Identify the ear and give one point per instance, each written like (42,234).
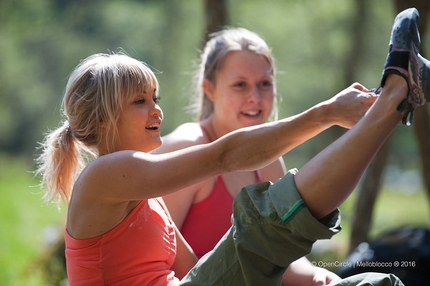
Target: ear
(208,89)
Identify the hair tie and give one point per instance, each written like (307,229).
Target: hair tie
(67,127)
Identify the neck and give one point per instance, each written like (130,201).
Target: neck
(214,129)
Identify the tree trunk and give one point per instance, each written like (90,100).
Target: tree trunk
(216,16)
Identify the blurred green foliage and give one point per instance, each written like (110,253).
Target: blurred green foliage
(42,41)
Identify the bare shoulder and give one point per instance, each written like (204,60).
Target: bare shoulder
(185,135)
(107,168)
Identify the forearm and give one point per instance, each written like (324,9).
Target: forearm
(254,147)
(277,138)
(185,257)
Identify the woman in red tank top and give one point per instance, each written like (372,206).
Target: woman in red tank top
(235,89)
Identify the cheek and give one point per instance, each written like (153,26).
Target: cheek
(232,106)
(227,102)
(271,103)
(268,99)
(234,99)
(268,104)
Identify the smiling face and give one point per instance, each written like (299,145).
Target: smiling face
(243,93)
(139,123)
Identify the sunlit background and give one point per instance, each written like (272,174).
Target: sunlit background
(42,41)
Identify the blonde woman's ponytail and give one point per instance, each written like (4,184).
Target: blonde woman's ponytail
(60,162)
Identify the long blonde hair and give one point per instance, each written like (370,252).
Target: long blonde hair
(94,95)
(213,55)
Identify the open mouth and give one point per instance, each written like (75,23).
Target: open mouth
(155,126)
(251,113)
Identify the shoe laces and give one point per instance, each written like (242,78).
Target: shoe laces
(405,108)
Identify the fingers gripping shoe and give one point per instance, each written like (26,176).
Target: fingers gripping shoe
(403,59)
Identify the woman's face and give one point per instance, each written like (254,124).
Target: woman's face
(139,123)
(243,93)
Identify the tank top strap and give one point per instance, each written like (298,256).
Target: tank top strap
(259,176)
(257,172)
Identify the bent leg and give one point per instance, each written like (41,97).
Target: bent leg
(271,228)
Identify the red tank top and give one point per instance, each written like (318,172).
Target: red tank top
(208,220)
(138,251)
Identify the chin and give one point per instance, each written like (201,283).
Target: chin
(252,122)
(150,147)
(157,144)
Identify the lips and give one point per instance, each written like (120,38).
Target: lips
(153,126)
(251,113)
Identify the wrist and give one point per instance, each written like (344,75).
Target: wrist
(324,114)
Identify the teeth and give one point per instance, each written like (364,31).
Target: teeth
(252,113)
(153,126)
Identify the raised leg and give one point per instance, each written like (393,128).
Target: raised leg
(329,178)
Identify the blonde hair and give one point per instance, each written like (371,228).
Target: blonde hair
(212,58)
(94,95)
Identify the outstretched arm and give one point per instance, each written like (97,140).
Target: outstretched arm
(242,150)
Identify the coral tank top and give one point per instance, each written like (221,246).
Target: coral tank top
(138,251)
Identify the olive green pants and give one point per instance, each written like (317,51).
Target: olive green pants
(271,228)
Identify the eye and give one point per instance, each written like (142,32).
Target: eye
(266,85)
(140,101)
(240,84)
(157,100)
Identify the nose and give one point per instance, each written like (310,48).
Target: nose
(254,94)
(156,110)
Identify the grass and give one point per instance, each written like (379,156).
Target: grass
(26,222)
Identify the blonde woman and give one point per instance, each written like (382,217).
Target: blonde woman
(118,229)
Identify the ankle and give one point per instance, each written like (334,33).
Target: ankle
(396,84)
